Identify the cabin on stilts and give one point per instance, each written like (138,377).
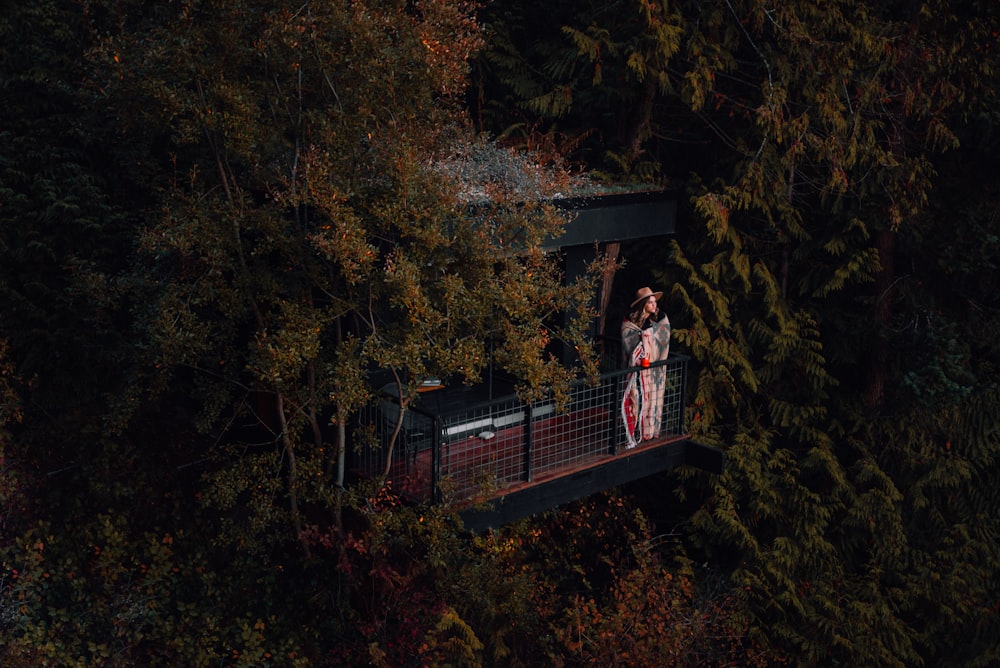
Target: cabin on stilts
(497,458)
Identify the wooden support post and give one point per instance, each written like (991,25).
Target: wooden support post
(436,459)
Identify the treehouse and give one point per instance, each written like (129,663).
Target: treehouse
(500,458)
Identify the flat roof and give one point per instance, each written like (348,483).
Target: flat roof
(620,217)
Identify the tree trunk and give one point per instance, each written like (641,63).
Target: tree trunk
(885,241)
(293,471)
(403,403)
(609,266)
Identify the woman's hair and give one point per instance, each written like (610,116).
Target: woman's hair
(637,314)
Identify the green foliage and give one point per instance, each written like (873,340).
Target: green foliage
(309,228)
(595,69)
(652,618)
(112,596)
(15,498)
(606,596)
(11,406)
(941,375)
(944,530)
(770,292)
(214,223)
(61,239)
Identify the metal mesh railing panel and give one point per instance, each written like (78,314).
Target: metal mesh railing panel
(671,399)
(482,448)
(673,403)
(410,469)
(577,435)
(487,447)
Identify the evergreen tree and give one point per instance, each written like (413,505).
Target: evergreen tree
(61,238)
(219,218)
(818,128)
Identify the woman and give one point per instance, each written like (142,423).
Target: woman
(645,340)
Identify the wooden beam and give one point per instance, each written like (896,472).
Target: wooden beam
(555,492)
(576,485)
(705,457)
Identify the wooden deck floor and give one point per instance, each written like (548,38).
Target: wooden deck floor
(591,463)
(568,484)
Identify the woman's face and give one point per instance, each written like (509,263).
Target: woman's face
(650,307)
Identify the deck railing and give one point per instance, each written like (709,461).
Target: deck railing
(482,449)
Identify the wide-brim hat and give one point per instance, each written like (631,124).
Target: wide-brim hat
(643,293)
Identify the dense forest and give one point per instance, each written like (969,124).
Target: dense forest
(217,218)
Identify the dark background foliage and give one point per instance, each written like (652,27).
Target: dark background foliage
(198,203)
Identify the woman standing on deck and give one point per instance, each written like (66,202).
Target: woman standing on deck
(645,340)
